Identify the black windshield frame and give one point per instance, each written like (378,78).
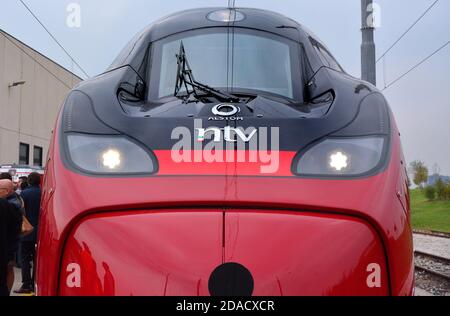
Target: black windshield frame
(296,61)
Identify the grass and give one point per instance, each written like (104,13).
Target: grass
(429,215)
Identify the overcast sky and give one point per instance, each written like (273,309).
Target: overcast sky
(420,101)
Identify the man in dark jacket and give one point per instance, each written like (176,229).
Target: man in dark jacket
(10,228)
(7,193)
(32,199)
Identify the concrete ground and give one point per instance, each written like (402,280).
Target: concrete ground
(439,246)
(420,292)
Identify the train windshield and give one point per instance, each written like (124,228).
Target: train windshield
(232,60)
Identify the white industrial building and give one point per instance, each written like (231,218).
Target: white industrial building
(32,90)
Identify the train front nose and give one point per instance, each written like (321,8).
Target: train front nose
(299,253)
(204,252)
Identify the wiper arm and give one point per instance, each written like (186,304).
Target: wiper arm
(185,78)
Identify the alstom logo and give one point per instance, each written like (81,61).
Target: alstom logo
(225,112)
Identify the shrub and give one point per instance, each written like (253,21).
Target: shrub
(440,187)
(430,193)
(447,191)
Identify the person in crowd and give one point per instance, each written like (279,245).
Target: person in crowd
(5,223)
(17,200)
(12,197)
(22,185)
(5,176)
(10,228)
(32,200)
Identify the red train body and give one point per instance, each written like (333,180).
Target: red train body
(165,233)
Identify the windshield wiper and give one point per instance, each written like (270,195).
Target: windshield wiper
(185,78)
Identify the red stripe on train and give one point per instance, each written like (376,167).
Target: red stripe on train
(225,162)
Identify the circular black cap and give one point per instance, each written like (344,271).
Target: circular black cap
(231,279)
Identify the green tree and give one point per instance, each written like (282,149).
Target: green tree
(430,192)
(447,191)
(440,187)
(420,172)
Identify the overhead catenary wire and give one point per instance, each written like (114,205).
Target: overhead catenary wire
(54,38)
(408,30)
(417,65)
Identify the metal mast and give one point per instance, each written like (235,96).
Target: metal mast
(368,58)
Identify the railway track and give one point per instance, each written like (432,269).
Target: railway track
(439,266)
(432,272)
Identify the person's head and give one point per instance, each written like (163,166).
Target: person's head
(6,188)
(5,175)
(23,185)
(34,179)
(23,182)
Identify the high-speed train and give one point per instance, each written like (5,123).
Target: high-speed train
(225,152)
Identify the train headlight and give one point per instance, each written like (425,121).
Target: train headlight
(338,161)
(341,157)
(109,155)
(111,158)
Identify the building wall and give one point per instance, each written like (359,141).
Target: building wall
(28,112)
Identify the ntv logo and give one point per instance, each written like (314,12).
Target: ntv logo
(227,144)
(227,134)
